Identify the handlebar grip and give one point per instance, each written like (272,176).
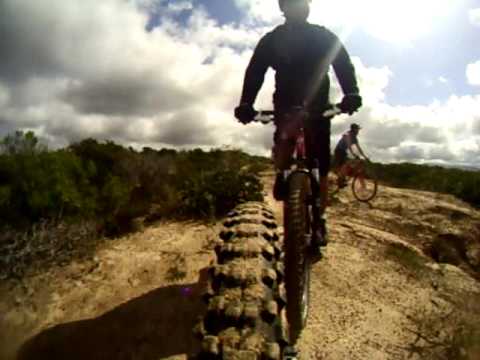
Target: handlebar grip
(266,113)
(334,110)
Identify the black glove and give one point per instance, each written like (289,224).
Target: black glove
(351,103)
(245,113)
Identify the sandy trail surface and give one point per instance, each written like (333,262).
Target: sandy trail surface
(137,299)
(377,290)
(378,293)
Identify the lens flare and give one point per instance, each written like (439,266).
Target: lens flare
(390,20)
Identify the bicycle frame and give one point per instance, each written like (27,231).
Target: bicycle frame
(300,164)
(299,155)
(358,172)
(355,167)
(266,116)
(300,150)
(301,218)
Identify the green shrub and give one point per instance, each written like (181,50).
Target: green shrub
(115,185)
(463,184)
(214,193)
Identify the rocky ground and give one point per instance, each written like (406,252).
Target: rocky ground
(399,279)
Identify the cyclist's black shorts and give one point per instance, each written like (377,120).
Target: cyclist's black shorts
(321,140)
(317,139)
(340,157)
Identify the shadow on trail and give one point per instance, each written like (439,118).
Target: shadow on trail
(155,325)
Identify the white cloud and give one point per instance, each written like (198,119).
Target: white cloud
(474,16)
(473,73)
(180,6)
(4,96)
(261,10)
(372,81)
(99,73)
(444,131)
(150,7)
(387,22)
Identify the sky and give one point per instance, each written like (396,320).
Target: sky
(165,73)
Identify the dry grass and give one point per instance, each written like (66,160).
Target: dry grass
(45,244)
(451,335)
(177,271)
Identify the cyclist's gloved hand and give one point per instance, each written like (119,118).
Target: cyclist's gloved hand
(351,103)
(245,113)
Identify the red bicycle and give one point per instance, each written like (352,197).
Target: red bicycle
(300,224)
(364,181)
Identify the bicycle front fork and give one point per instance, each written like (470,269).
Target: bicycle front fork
(316,201)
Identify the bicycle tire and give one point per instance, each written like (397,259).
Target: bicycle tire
(244,298)
(297,263)
(364,195)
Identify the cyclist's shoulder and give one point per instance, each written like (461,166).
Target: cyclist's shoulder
(317,27)
(320,30)
(297,28)
(270,35)
(318,34)
(265,42)
(276,30)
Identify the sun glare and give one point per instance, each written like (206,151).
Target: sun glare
(397,21)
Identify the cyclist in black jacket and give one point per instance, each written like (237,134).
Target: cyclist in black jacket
(301,54)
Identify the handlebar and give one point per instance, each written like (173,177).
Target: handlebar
(266,116)
(358,158)
(333,111)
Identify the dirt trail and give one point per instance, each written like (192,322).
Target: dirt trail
(375,291)
(375,294)
(138,299)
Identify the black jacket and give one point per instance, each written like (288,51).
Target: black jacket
(301,55)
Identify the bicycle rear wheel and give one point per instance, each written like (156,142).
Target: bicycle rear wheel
(364,185)
(297,235)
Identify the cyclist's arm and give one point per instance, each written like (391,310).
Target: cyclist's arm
(350,144)
(343,67)
(361,151)
(350,148)
(255,72)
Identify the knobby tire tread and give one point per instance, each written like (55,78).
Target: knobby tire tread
(244,298)
(296,226)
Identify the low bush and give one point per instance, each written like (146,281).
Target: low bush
(115,185)
(464,184)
